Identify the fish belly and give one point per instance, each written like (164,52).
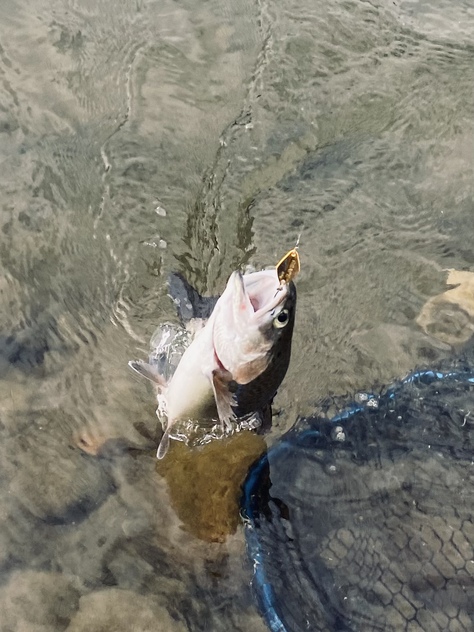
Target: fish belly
(190,394)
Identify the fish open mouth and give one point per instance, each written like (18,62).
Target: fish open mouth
(264,290)
(247,308)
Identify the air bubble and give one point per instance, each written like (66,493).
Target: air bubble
(338,434)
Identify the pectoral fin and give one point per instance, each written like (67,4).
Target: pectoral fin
(224,398)
(146,370)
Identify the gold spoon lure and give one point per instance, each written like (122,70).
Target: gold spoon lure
(289,265)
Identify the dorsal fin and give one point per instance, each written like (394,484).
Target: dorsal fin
(189,303)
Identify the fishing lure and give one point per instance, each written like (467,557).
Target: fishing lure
(289,265)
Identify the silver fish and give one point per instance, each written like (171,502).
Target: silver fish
(238,359)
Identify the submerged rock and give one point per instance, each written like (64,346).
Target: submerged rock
(449,316)
(53,480)
(37,602)
(119,610)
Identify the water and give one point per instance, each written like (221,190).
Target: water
(142,137)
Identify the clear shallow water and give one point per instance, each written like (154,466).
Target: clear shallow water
(141,137)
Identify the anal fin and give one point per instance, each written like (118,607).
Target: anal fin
(146,370)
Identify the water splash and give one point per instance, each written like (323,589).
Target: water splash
(167,346)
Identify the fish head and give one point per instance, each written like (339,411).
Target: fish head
(254,318)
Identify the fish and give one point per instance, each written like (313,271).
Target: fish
(238,357)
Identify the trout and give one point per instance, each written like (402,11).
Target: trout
(238,359)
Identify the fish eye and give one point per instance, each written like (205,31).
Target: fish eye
(282,319)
